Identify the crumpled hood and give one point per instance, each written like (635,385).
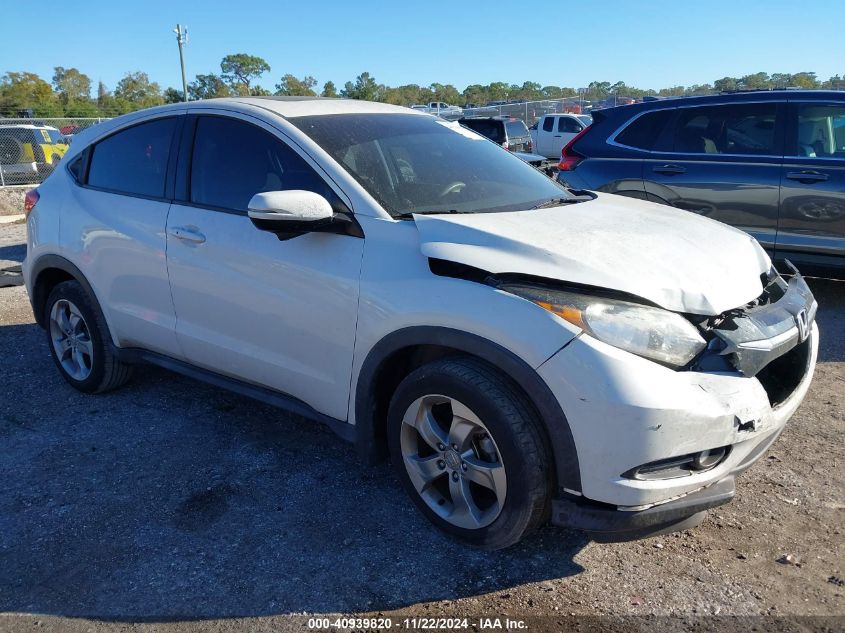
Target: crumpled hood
(676,259)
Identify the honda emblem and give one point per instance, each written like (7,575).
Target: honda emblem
(803,325)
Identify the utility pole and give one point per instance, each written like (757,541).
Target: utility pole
(182,39)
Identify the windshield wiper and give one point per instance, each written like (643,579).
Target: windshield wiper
(556,202)
(407,215)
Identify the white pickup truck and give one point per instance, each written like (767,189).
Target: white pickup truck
(440,109)
(552,131)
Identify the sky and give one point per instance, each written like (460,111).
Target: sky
(645,43)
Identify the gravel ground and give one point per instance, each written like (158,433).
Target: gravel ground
(11,199)
(173,503)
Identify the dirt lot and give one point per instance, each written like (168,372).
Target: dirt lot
(11,199)
(173,503)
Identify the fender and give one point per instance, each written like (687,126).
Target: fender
(39,297)
(554,420)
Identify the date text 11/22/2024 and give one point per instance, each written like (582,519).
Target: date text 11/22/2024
(415,624)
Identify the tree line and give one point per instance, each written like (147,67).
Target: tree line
(69,94)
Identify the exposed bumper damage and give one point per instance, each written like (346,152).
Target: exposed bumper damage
(658,447)
(754,337)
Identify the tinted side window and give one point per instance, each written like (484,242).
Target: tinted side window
(567,125)
(26,135)
(233,160)
(548,123)
(645,130)
(747,129)
(77,167)
(134,160)
(821,131)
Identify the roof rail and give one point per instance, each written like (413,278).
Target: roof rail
(741,90)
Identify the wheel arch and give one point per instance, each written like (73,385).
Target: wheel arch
(47,272)
(399,353)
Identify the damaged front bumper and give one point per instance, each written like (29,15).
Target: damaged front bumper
(631,417)
(751,338)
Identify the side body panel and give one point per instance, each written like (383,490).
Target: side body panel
(118,242)
(277,313)
(811,229)
(740,191)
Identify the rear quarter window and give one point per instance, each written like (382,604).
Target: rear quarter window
(643,132)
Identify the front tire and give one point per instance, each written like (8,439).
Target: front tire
(470,451)
(79,340)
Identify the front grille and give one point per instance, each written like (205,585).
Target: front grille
(754,337)
(781,377)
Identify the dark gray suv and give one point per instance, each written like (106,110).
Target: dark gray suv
(770,162)
(510,133)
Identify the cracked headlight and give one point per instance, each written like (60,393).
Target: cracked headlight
(652,333)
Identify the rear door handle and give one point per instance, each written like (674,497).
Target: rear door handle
(669,170)
(187,234)
(806,176)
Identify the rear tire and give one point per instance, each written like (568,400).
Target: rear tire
(79,340)
(470,451)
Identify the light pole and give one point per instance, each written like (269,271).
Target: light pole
(182,39)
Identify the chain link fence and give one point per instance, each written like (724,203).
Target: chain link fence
(528,111)
(31,148)
(531,111)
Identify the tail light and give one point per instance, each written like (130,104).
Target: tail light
(530,147)
(505,145)
(569,158)
(30,200)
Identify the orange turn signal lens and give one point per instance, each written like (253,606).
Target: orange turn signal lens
(567,313)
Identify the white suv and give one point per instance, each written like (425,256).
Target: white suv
(523,352)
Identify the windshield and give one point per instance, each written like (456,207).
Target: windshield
(420,164)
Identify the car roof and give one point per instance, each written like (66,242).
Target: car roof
(28,126)
(291,107)
(743,96)
(481,117)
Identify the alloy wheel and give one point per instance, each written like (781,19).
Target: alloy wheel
(71,339)
(453,461)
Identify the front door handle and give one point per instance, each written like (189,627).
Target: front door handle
(669,170)
(806,176)
(187,234)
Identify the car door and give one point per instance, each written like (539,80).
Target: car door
(812,205)
(722,161)
(280,313)
(545,136)
(113,225)
(567,129)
